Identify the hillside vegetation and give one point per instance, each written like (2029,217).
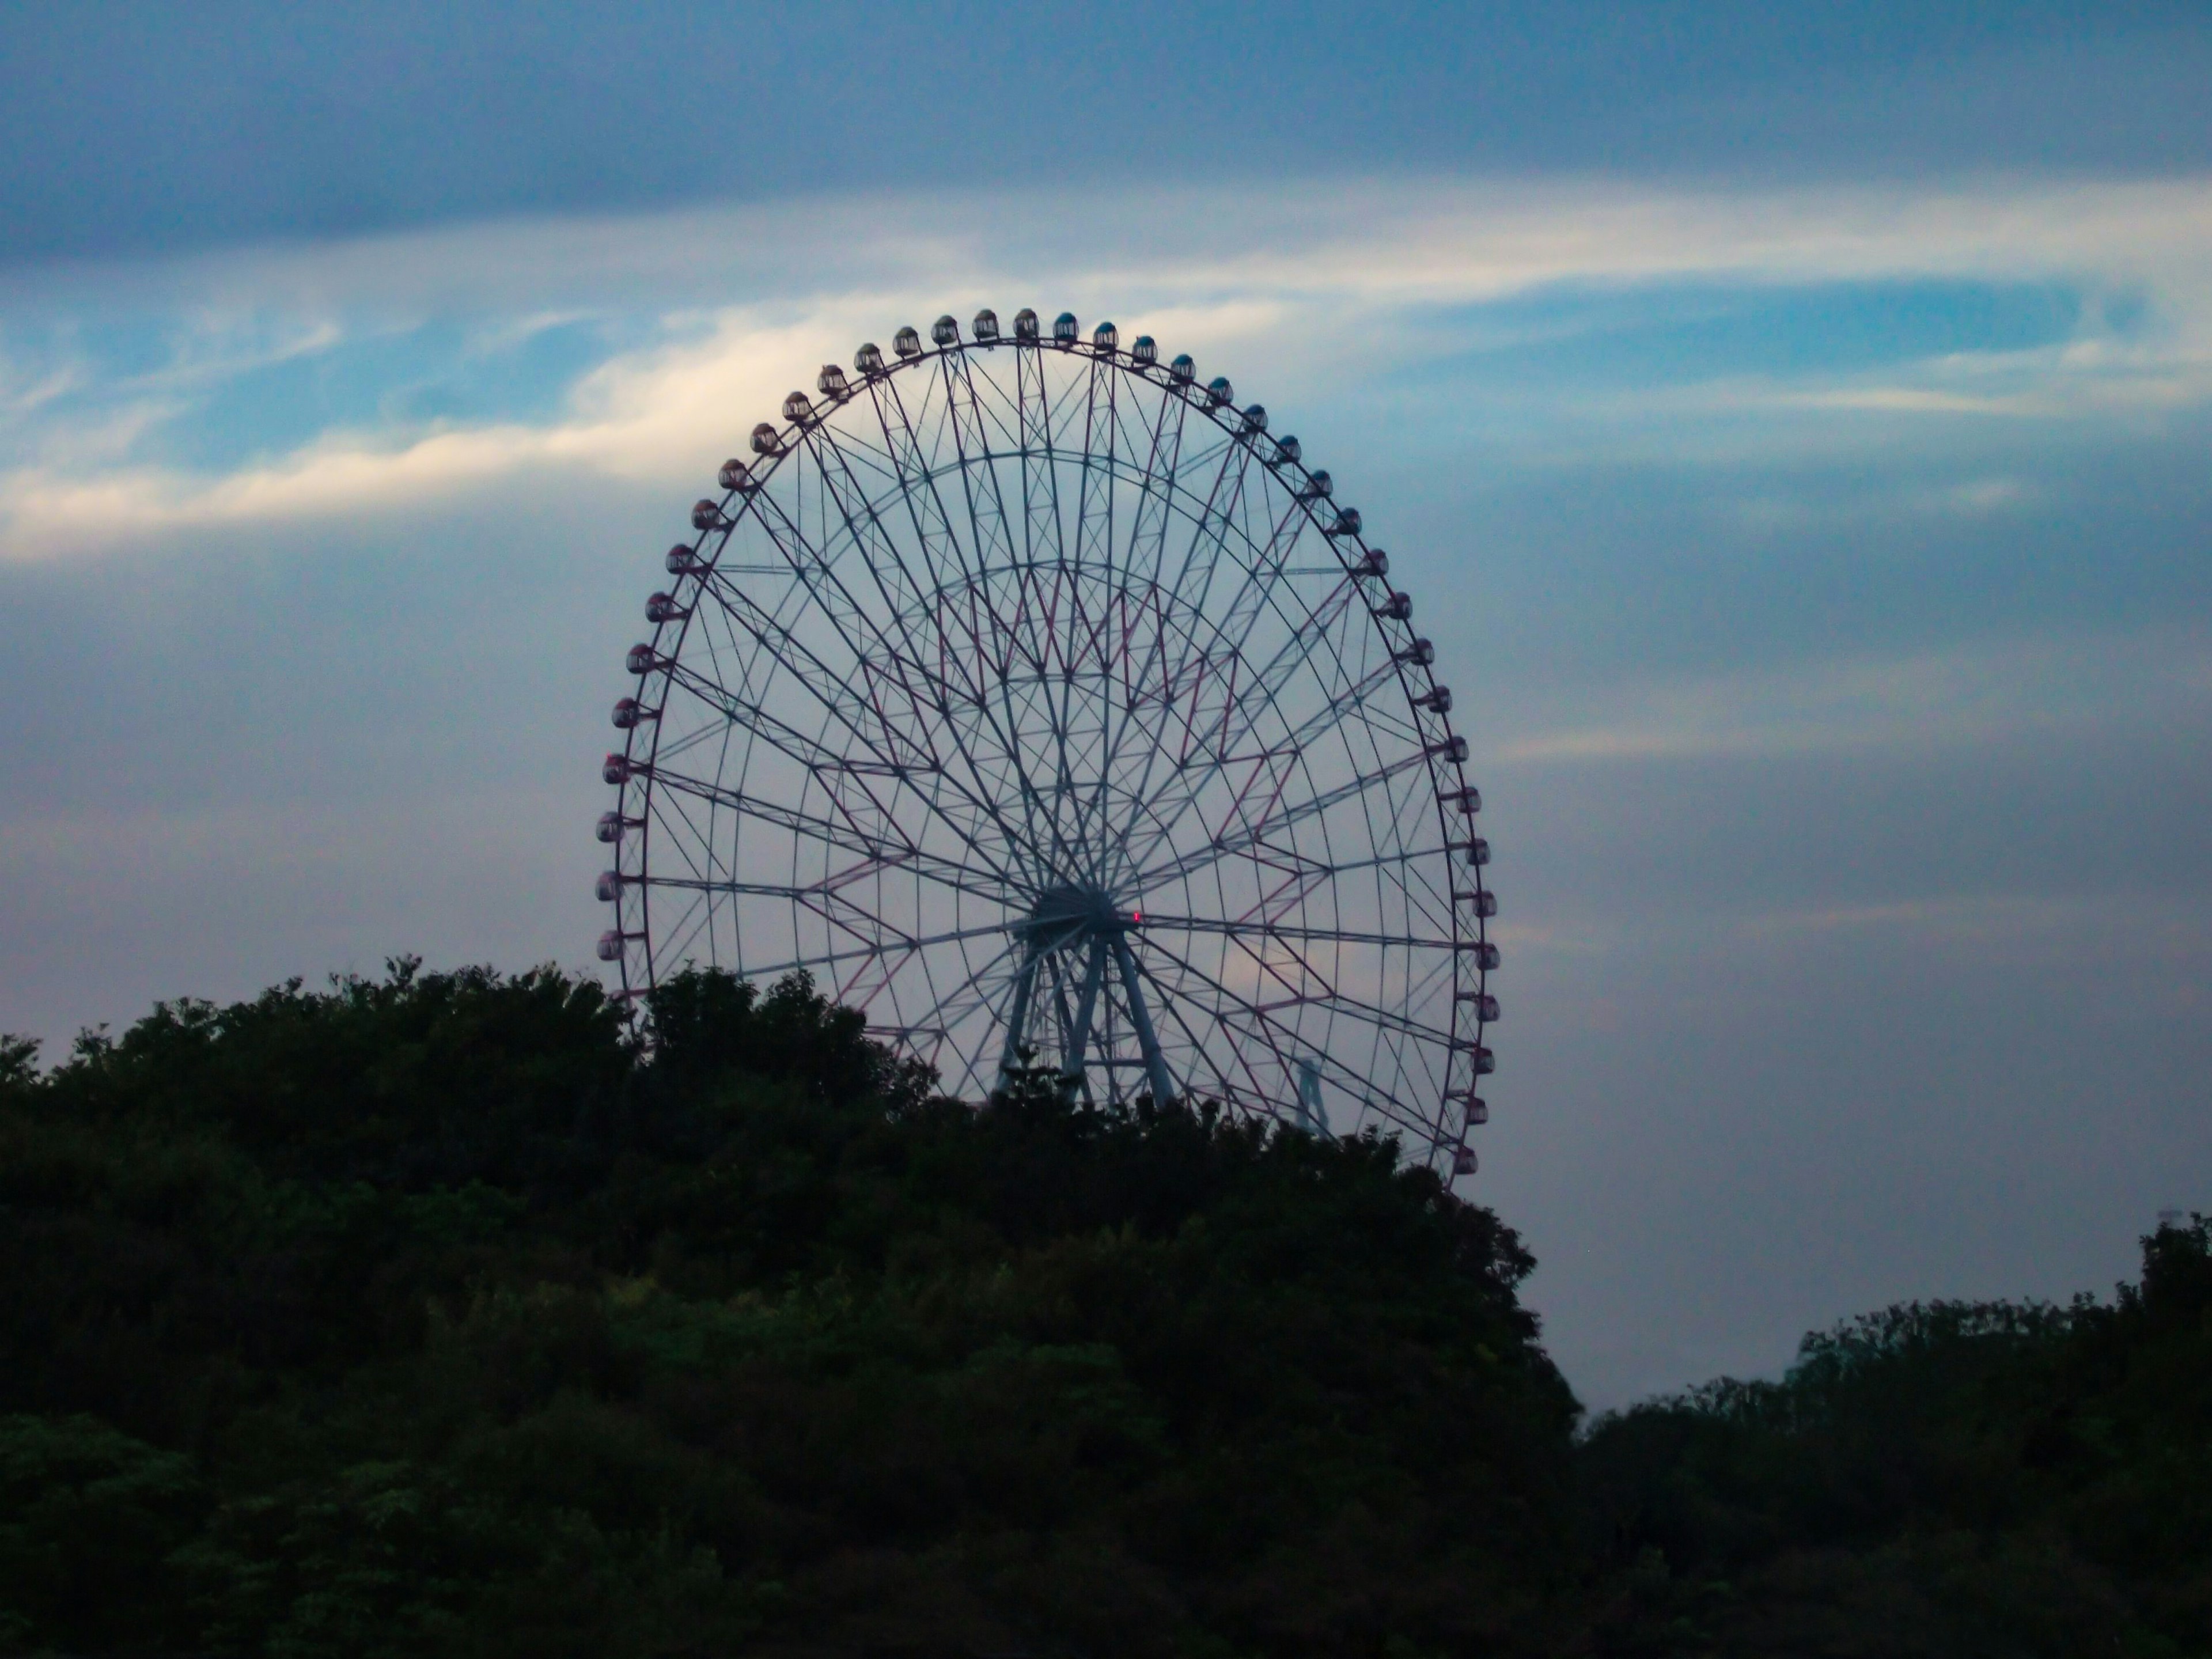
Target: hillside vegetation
(427,1316)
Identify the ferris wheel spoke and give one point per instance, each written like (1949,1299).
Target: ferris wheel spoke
(1148,528)
(981,800)
(967,1001)
(1209,537)
(810,753)
(987,532)
(1233,725)
(947,562)
(1089,651)
(906,608)
(1237,720)
(948,1011)
(999,656)
(1094,536)
(826,958)
(920,479)
(1249,833)
(848,836)
(908,605)
(1293,744)
(1173,1000)
(1263,783)
(1267,570)
(841,779)
(1294,934)
(864,530)
(1166,675)
(1215,521)
(833,691)
(1283,1036)
(1014,575)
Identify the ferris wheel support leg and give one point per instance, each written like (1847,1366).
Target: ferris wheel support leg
(1156,1065)
(1075,1064)
(1017,1019)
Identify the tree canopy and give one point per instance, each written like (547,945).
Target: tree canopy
(435,1314)
(430,1314)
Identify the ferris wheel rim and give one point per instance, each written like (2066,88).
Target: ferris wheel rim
(794,440)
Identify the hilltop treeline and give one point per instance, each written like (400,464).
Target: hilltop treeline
(428,1315)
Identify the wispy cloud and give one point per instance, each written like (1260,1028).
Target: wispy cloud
(1345,267)
(1971,694)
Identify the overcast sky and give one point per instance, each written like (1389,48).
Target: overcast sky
(1792,422)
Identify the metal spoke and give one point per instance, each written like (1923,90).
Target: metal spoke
(1008,691)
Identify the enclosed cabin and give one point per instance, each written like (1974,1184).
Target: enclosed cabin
(1482,951)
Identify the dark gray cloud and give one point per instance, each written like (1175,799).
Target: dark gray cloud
(162,126)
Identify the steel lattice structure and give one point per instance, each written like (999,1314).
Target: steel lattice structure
(1028,694)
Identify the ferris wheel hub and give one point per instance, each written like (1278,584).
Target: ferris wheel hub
(1072,911)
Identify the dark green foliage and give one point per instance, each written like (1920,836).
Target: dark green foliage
(1950,1478)
(430,1316)
(427,1316)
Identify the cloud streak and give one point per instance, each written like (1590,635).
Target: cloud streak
(2062,687)
(1347,268)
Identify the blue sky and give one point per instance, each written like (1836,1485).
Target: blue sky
(1791,424)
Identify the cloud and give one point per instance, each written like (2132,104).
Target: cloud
(1344,268)
(1961,696)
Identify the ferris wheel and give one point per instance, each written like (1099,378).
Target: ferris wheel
(1027,693)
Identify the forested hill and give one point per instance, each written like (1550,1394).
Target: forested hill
(426,1317)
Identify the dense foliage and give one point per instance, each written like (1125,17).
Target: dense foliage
(1958,1479)
(428,1315)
